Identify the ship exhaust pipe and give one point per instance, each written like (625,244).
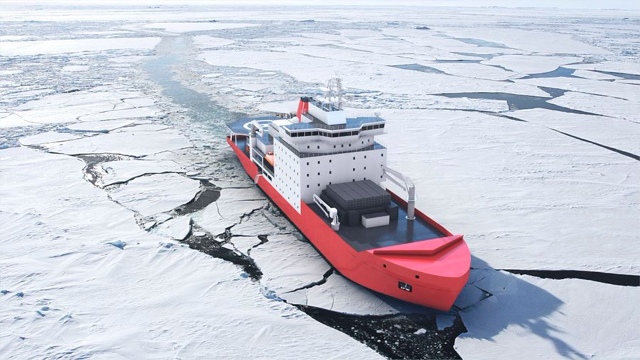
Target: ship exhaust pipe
(303,107)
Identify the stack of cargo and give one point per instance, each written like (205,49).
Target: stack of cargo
(357,198)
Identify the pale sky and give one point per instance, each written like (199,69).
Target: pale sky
(577,4)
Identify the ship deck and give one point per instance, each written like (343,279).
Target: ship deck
(238,126)
(397,232)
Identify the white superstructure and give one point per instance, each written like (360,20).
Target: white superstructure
(317,147)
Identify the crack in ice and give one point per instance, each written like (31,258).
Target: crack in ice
(601,277)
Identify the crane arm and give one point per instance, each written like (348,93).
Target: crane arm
(328,211)
(406,184)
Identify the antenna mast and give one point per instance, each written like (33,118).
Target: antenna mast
(334,89)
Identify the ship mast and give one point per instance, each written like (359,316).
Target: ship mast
(334,92)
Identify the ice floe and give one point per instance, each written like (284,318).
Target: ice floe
(61,46)
(132,143)
(122,171)
(156,193)
(531,64)
(182,27)
(47,137)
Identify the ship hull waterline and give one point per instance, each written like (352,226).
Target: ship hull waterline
(435,269)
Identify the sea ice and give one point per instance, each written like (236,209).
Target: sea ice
(177,228)
(182,27)
(531,64)
(100,126)
(206,42)
(152,194)
(551,318)
(125,143)
(602,105)
(46,138)
(61,46)
(125,170)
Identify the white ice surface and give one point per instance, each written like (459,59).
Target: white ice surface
(303,265)
(360,75)
(60,46)
(531,64)
(47,137)
(617,133)
(514,187)
(527,40)
(589,86)
(125,170)
(132,143)
(91,105)
(100,126)
(153,194)
(124,113)
(602,105)
(183,27)
(177,228)
(71,293)
(205,41)
(229,208)
(611,66)
(542,318)
(477,71)
(588,74)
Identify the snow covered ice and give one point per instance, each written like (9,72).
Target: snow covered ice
(519,127)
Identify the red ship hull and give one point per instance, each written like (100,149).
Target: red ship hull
(436,270)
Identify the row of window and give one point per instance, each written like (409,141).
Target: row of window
(353,180)
(335,134)
(365,156)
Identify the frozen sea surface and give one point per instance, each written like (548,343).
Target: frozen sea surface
(131,231)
